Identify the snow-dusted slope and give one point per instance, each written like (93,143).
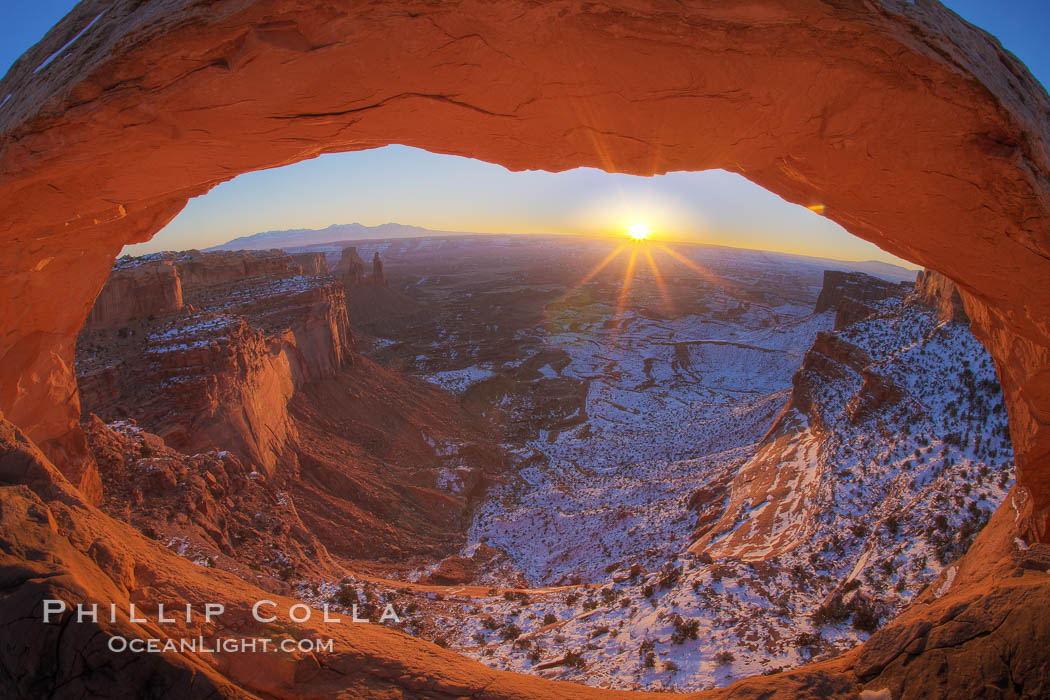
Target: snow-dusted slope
(890,452)
(668,403)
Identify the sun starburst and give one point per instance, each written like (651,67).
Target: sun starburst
(638,231)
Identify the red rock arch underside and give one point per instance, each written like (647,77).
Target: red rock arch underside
(917,132)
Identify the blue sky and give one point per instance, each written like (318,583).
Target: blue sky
(459,194)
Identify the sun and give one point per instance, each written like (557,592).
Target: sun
(638,231)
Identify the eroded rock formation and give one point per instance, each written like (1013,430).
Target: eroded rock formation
(137,291)
(941,294)
(351,268)
(852,295)
(378,278)
(219,375)
(844,104)
(197,270)
(312,263)
(262,369)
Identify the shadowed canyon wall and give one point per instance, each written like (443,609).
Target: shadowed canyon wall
(915,130)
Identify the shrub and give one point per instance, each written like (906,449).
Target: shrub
(808,639)
(892,525)
(724,658)
(669,577)
(549,619)
(684,629)
(574,659)
(346,596)
(510,632)
(865,619)
(830,613)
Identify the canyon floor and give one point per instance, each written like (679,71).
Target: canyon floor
(634,465)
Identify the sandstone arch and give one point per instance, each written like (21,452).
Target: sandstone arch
(913,128)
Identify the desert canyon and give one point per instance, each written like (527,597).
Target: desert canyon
(798,479)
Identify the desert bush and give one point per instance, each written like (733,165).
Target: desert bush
(830,613)
(684,629)
(346,596)
(808,639)
(574,659)
(892,525)
(865,618)
(669,577)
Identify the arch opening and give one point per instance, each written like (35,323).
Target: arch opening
(660,474)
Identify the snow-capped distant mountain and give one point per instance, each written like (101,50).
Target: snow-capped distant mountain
(301,237)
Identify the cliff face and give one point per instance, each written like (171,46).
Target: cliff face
(137,291)
(940,294)
(311,263)
(898,402)
(853,295)
(350,269)
(221,375)
(264,368)
(201,270)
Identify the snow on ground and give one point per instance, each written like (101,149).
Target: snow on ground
(874,509)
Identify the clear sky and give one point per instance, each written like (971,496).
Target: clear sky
(410,186)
